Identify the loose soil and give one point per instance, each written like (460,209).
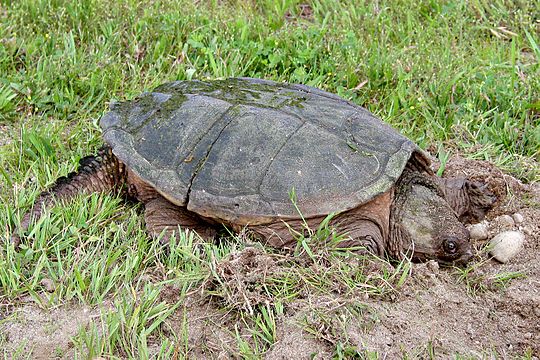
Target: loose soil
(438,312)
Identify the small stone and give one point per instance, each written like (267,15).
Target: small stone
(479,231)
(506,220)
(47,284)
(518,218)
(432,265)
(506,245)
(527,230)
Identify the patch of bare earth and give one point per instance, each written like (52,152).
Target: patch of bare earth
(35,333)
(493,309)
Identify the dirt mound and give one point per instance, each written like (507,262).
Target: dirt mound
(238,281)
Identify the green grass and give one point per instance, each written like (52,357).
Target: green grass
(454,76)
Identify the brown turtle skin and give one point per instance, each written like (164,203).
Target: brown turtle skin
(200,155)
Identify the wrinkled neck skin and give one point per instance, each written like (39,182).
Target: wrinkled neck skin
(423,223)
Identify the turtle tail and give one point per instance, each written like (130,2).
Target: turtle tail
(96,173)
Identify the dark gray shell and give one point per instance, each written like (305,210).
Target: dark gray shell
(234,149)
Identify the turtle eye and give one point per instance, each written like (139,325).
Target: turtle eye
(450,246)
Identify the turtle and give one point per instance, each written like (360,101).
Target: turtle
(272,157)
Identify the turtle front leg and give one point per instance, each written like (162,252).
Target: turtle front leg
(470,200)
(365,228)
(364,237)
(161,216)
(361,235)
(100,173)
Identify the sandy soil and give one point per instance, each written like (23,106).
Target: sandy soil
(32,332)
(437,312)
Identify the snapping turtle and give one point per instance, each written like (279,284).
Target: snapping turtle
(201,154)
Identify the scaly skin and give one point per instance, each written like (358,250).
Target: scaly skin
(423,224)
(470,200)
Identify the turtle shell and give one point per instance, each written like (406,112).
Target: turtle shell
(237,149)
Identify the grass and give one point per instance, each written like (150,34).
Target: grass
(125,329)
(454,76)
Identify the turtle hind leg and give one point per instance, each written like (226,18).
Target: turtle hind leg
(161,216)
(100,173)
(470,200)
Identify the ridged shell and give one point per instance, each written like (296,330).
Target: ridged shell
(235,149)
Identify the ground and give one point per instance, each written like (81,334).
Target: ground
(489,309)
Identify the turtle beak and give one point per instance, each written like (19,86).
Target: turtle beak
(464,259)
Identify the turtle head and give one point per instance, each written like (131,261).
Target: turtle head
(427,227)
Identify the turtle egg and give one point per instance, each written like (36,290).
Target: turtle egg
(506,245)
